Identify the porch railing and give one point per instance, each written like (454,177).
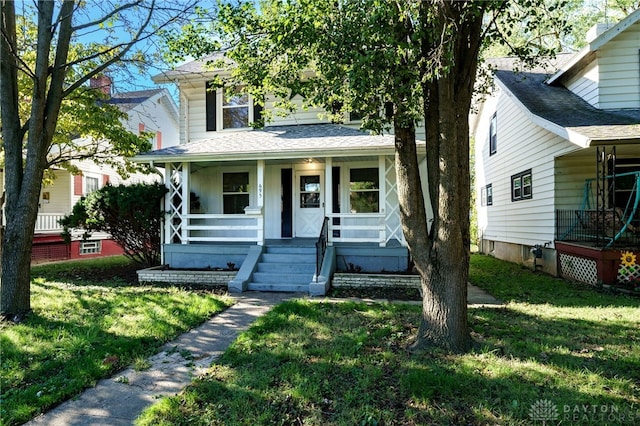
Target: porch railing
(357,228)
(321,245)
(48,222)
(596,228)
(224,228)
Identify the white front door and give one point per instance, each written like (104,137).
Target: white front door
(309,204)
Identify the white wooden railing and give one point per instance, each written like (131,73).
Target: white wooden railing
(224,228)
(358,228)
(47,222)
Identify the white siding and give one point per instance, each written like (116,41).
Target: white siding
(619,63)
(585,84)
(521,145)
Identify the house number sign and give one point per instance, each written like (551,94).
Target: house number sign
(260,191)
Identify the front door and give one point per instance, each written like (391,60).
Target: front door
(309,204)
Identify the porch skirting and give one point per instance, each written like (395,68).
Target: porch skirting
(186,277)
(345,280)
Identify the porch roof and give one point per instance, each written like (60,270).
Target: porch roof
(278,142)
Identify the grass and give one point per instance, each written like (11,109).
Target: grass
(554,345)
(88,322)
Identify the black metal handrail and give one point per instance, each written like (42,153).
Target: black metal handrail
(321,245)
(597,228)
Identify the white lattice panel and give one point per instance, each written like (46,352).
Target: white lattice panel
(627,274)
(173,206)
(579,268)
(392,207)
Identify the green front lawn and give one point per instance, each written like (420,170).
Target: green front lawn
(88,322)
(556,352)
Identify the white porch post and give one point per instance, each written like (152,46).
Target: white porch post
(328,195)
(260,201)
(167,204)
(382,198)
(185,203)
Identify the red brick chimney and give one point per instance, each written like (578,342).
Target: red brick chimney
(101,82)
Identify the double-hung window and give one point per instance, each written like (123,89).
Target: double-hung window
(364,190)
(493,134)
(521,186)
(235,192)
(91,184)
(229,107)
(486,195)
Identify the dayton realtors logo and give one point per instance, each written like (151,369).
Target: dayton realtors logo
(546,412)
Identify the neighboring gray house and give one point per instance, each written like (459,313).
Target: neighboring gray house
(558,161)
(263,199)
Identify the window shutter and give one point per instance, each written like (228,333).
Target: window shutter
(77,184)
(159,140)
(140,128)
(211,106)
(257,112)
(105,179)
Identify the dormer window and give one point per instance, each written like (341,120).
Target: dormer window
(229,107)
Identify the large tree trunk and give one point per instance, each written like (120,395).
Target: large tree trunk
(444,265)
(25,164)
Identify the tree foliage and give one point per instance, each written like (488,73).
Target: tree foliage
(48,53)
(398,64)
(118,211)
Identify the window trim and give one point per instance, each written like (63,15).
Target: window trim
(493,134)
(519,178)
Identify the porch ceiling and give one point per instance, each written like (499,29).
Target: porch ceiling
(278,143)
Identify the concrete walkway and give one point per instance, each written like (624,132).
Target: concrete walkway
(119,400)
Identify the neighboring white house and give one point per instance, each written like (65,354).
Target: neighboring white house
(153,111)
(298,181)
(558,159)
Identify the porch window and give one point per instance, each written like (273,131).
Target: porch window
(493,134)
(521,186)
(90,247)
(364,190)
(235,192)
(235,108)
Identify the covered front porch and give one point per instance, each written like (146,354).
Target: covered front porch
(233,199)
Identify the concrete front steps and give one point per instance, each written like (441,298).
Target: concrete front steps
(284,268)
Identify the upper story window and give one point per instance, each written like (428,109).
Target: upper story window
(235,108)
(493,134)
(235,192)
(229,107)
(521,186)
(364,190)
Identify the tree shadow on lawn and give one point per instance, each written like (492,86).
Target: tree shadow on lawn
(349,364)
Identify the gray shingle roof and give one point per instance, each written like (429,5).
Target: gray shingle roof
(560,106)
(278,141)
(128,100)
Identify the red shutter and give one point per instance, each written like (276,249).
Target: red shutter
(77,184)
(105,179)
(140,127)
(159,140)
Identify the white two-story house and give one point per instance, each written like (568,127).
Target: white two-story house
(263,199)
